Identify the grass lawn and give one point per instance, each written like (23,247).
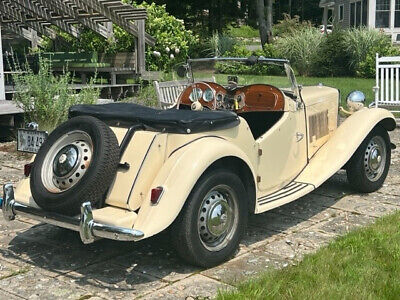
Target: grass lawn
(364,264)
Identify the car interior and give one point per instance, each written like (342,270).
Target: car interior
(261,105)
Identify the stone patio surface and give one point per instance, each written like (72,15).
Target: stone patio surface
(39,261)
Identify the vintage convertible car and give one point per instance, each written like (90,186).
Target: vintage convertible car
(232,145)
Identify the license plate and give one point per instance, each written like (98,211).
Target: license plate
(30,140)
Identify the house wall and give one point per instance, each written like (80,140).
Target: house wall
(346,18)
(345,23)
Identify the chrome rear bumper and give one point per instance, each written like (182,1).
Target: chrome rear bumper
(86,226)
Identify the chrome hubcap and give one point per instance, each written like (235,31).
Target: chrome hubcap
(218,218)
(67,161)
(375,158)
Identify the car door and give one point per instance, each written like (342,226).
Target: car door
(283,149)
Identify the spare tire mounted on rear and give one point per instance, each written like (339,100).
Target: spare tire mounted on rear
(77,163)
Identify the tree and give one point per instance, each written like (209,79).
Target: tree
(270,21)
(265,28)
(262,25)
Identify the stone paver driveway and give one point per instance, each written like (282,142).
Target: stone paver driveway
(45,262)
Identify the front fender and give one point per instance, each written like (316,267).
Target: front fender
(178,176)
(343,143)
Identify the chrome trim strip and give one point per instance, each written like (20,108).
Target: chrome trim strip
(85,224)
(284,192)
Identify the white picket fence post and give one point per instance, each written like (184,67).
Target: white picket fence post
(387,82)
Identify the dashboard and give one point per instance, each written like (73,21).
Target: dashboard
(211,95)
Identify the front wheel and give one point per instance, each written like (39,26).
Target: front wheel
(213,220)
(369,166)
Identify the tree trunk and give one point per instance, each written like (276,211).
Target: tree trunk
(269,20)
(262,26)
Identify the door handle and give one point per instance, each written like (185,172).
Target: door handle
(299,136)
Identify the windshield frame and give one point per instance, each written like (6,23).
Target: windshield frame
(252,60)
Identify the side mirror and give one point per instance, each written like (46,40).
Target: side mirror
(182,71)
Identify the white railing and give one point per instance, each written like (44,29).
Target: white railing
(387,88)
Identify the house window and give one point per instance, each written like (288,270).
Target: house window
(382,13)
(365,12)
(359,13)
(341,13)
(397,14)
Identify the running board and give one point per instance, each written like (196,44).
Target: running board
(290,192)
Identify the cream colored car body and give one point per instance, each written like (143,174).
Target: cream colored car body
(302,150)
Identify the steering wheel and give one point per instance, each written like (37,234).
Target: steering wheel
(184,97)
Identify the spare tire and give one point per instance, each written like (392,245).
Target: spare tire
(77,163)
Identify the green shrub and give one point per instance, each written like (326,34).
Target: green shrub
(301,48)
(220,44)
(333,58)
(243,31)
(46,98)
(238,51)
(201,48)
(269,51)
(147,96)
(289,26)
(362,44)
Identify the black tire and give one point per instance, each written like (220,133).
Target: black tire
(356,168)
(93,184)
(185,232)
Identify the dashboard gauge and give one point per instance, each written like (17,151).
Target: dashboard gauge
(196,94)
(220,97)
(208,95)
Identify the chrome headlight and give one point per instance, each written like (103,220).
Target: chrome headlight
(208,95)
(196,94)
(355,100)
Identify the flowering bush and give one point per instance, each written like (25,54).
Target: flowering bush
(173,40)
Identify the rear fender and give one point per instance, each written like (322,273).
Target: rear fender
(178,176)
(337,151)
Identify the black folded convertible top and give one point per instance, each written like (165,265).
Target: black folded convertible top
(171,120)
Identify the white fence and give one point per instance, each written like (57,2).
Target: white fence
(387,89)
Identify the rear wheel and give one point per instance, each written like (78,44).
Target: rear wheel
(213,220)
(77,163)
(369,166)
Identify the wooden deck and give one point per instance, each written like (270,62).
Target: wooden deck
(9,108)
